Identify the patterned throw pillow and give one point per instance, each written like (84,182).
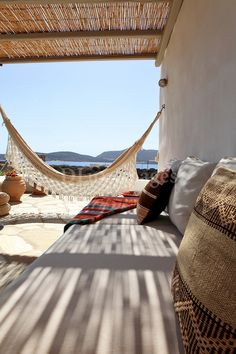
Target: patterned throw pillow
(204,281)
(154,197)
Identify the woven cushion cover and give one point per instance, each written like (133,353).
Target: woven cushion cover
(154,197)
(204,281)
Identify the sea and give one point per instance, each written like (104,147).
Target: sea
(141,165)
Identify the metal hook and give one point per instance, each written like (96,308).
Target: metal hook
(163,107)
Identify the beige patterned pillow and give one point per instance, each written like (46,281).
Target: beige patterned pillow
(204,281)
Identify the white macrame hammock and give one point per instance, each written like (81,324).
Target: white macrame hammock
(119,176)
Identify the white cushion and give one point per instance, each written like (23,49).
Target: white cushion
(228,162)
(87,280)
(191,177)
(174,165)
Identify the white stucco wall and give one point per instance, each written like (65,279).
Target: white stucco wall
(200,63)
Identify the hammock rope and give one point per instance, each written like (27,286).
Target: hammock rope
(119,176)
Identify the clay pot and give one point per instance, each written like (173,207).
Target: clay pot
(14,186)
(4,198)
(4,209)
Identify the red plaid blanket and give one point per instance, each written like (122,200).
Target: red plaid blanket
(101,207)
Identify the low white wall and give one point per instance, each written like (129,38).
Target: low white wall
(200,63)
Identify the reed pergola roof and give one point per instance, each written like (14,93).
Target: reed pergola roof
(61,30)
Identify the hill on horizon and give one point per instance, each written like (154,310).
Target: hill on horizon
(142,156)
(68,156)
(106,156)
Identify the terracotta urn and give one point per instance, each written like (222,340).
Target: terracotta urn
(4,209)
(4,206)
(14,186)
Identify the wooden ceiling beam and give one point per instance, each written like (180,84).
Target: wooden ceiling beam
(175,8)
(62,2)
(80,34)
(144,56)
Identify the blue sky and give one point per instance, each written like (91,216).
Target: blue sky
(85,107)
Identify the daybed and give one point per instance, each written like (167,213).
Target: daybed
(104,288)
(101,288)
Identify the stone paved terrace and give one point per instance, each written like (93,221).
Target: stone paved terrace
(35,223)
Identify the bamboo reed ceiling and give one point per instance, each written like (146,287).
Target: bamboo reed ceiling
(32,31)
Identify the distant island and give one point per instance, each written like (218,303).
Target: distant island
(106,156)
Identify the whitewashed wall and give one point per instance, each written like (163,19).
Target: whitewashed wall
(200,63)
